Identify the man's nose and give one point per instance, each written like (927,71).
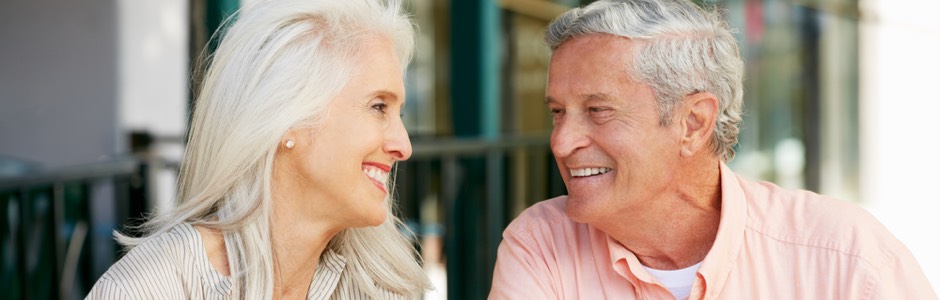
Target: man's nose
(568,136)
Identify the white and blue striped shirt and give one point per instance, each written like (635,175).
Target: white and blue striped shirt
(174,265)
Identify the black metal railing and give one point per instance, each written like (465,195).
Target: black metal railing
(56,234)
(475,187)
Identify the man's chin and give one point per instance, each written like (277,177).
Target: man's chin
(580,209)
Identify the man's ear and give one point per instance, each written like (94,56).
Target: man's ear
(697,117)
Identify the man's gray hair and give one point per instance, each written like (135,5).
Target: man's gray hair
(681,49)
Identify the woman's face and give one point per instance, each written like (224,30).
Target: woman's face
(338,173)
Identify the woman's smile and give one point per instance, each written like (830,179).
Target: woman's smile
(378,174)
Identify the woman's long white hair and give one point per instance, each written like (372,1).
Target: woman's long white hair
(277,67)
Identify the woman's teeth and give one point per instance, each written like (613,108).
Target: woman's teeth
(376,174)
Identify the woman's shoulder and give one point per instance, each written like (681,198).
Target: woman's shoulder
(165,265)
(168,249)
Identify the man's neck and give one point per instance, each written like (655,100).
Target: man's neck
(676,230)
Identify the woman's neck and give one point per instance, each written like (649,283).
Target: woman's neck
(297,247)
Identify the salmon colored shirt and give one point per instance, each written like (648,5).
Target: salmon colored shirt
(772,243)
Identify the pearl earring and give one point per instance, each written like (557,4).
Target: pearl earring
(289,144)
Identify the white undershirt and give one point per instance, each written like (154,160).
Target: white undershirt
(678,282)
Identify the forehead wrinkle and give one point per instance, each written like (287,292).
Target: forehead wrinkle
(597,97)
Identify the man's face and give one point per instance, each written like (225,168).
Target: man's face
(613,155)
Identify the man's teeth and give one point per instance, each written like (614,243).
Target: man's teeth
(588,171)
(376,174)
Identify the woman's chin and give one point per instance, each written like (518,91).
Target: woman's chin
(373,220)
(378,219)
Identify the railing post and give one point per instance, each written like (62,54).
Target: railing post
(495,203)
(475,100)
(58,219)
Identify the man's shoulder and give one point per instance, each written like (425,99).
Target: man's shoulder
(546,211)
(806,219)
(545,218)
(766,200)
(553,208)
(772,206)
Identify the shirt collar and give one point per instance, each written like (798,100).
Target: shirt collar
(325,278)
(722,256)
(327,275)
(724,252)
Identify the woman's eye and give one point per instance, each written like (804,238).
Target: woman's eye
(380,107)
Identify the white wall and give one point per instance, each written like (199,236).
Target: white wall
(154,79)
(77,76)
(58,81)
(900,110)
(153,65)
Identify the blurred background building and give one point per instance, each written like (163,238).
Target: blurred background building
(95,97)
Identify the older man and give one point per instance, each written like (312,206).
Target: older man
(646,98)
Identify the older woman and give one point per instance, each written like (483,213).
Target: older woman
(284,184)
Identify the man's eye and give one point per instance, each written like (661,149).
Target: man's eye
(597,109)
(556,111)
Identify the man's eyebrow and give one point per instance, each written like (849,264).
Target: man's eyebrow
(597,97)
(594,97)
